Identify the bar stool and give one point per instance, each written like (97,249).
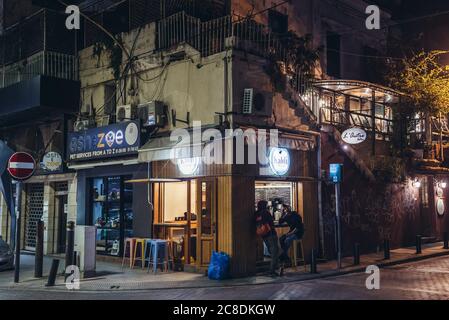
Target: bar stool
(148,250)
(142,243)
(295,254)
(162,254)
(129,244)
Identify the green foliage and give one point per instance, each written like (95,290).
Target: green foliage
(114,52)
(424,80)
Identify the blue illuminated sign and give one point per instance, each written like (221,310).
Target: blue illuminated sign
(119,139)
(336,172)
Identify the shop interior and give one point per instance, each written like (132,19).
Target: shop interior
(176,208)
(277,194)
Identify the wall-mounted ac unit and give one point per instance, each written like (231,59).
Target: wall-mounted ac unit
(257,103)
(126,113)
(83,125)
(153,114)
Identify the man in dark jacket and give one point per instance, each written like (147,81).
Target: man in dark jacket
(296,232)
(263,217)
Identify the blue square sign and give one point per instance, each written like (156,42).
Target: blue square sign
(335,172)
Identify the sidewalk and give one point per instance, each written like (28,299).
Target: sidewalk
(111,277)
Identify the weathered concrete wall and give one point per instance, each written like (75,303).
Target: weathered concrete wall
(194,85)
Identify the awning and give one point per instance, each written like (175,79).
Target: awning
(360,89)
(163,148)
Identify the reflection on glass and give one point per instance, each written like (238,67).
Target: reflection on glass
(111,214)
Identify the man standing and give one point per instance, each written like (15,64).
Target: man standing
(265,229)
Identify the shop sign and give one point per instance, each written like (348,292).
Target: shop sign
(120,139)
(354,136)
(51,162)
(336,172)
(441,208)
(279,161)
(188,166)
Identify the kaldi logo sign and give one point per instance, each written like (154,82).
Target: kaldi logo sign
(21,166)
(279,161)
(354,136)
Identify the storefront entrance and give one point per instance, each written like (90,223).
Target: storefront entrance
(278,194)
(185,213)
(61,214)
(111,212)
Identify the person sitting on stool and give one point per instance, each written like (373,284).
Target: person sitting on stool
(296,232)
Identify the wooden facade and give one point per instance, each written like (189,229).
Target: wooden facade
(232,204)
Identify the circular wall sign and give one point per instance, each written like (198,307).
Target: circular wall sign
(21,166)
(52,161)
(131,134)
(354,136)
(188,166)
(279,161)
(440,207)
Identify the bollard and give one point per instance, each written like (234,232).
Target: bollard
(446,240)
(313,266)
(53,271)
(418,245)
(386,249)
(356,254)
(39,255)
(70,244)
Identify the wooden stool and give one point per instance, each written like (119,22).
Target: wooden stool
(295,254)
(129,244)
(142,243)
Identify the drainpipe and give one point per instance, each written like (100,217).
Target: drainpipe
(320,198)
(226,88)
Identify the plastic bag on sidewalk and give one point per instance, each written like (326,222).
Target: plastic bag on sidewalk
(219,266)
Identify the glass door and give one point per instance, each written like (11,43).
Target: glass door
(112,213)
(206,233)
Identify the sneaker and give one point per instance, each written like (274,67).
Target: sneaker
(281,272)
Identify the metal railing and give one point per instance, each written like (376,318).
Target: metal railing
(345,119)
(50,64)
(217,35)
(42,31)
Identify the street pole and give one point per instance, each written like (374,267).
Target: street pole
(337,211)
(18,224)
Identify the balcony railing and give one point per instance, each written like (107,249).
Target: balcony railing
(217,35)
(344,119)
(50,64)
(43,31)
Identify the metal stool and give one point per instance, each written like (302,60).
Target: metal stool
(129,244)
(156,258)
(295,254)
(142,243)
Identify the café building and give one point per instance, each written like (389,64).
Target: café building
(204,207)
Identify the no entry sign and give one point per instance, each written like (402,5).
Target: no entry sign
(21,166)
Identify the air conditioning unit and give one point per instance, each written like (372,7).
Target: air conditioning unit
(83,125)
(125,113)
(257,103)
(248,101)
(153,114)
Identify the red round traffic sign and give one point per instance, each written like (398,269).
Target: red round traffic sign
(21,166)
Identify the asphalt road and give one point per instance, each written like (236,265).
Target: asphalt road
(424,280)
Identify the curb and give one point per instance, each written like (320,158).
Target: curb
(301,278)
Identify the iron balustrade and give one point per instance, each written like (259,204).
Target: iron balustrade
(217,35)
(344,119)
(50,64)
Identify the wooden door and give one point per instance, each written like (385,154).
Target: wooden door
(207,219)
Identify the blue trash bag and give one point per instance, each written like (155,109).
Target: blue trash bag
(219,266)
